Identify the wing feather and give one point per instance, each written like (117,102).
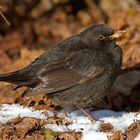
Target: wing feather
(68,70)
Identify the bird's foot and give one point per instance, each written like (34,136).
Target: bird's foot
(88,115)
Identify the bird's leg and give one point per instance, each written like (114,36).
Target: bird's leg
(88,115)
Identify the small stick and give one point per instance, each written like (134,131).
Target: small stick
(8,23)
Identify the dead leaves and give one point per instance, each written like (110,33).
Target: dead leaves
(132,56)
(11,42)
(133,130)
(126,17)
(117,135)
(70,136)
(112,133)
(9,95)
(25,128)
(32,129)
(26,57)
(27,125)
(106,127)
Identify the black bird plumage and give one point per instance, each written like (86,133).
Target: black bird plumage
(77,72)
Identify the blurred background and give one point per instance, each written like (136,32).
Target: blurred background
(35,25)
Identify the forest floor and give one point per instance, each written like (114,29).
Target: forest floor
(37,25)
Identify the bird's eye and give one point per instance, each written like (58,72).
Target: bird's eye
(101,37)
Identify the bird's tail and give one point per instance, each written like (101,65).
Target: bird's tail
(19,78)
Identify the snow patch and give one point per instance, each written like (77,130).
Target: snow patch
(120,120)
(8,112)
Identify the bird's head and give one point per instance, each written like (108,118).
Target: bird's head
(100,36)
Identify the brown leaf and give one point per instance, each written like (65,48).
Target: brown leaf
(34,136)
(22,128)
(133,130)
(117,135)
(131,55)
(26,125)
(57,120)
(11,42)
(9,95)
(26,58)
(39,101)
(106,127)
(70,136)
(4,56)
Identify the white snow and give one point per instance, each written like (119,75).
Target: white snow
(120,120)
(8,112)
(95,136)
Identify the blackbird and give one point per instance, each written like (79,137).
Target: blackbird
(77,72)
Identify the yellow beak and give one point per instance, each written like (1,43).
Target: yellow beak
(118,34)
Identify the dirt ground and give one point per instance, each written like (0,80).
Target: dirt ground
(37,25)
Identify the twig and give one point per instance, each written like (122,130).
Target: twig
(8,23)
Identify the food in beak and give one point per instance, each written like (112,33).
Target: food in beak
(118,34)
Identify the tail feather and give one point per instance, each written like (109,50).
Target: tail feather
(19,78)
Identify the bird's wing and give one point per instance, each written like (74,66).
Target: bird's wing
(66,72)
(57,76)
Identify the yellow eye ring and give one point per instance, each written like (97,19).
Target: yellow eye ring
(101,37)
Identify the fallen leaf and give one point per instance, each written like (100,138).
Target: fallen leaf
(133,130)
(117,135)
(27,125)
(70,136)
(106,127)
